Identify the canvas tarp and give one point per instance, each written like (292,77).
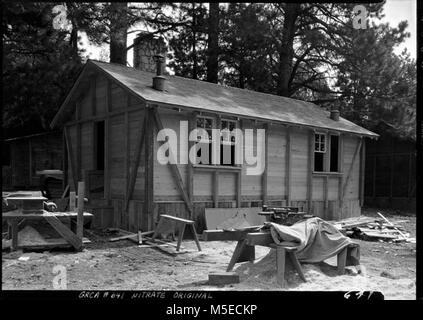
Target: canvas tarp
(316,240)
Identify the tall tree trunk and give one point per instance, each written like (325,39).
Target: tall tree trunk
(118,32)
(212,43)
(194,44)
(286,51)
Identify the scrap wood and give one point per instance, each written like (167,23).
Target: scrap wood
(389,222)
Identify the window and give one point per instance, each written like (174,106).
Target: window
(334,153)
(324,159)
(206,124)
(227,143)
(319,152)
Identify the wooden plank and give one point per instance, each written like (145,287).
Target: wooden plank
(280,265)
(237,253)
(80,217)
(342,260)
(149,168)
(93,95)
(64,231)
(362,172)
(357,149)
(341,177)
(126,164)
(176,219)
(190,170)
(310,164)
(30,161)
(78,152)
(134,171)
(223,278)
(259,239)
(72,199)
(224,235)
(174,168)
(264,177)
(107,156)
(238,189)
(288,166)
(325,192)
(70,154)
(216,189)
(50,244)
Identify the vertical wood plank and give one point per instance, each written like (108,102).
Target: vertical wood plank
(93,95)
(266,164)
(64,161)
(78,152)
(391,176)
(30,161)
(374,177)
(310,163)
(238,188)
(149,167)
(362,171)
(190,170)
(71,158)
(80,217)
(288,166)
(325,193)
(107,159)
(216,188)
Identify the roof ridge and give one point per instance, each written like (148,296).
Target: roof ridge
(211,83)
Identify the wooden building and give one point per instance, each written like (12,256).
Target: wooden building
(28,155)
(314,159)
(390,180)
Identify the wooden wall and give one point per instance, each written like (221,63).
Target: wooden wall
(287,179)
(32,154)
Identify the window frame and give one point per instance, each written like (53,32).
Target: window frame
(327,152)
(216,121)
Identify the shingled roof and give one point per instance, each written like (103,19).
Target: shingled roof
(201,95)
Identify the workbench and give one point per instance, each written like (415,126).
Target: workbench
(54,219)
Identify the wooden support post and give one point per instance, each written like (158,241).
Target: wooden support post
(310,170)
(374,177)
(126,155)
(65,182)
(391,176)
(14,231)
(237,253)
(288,166)
(181,235)
(238,188)
(80,217)
(190,170)
(78,152)
(325,192)
(410,175)
(341,176)
(72,198)
(342,260)
(362,172)
(134,171)
(266,164)
(30,162)
(93,95)
(70,153)
(280,265)
(149,168)
(107,154)
(216,189)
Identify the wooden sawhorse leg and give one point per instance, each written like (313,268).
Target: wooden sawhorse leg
(342,261)
(281,253)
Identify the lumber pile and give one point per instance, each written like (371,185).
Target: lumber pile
(373,229)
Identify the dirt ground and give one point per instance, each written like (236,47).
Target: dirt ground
(387,267)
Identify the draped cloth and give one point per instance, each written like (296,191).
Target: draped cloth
(316,240)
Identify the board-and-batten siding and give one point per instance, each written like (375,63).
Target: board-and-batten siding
(123,137)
